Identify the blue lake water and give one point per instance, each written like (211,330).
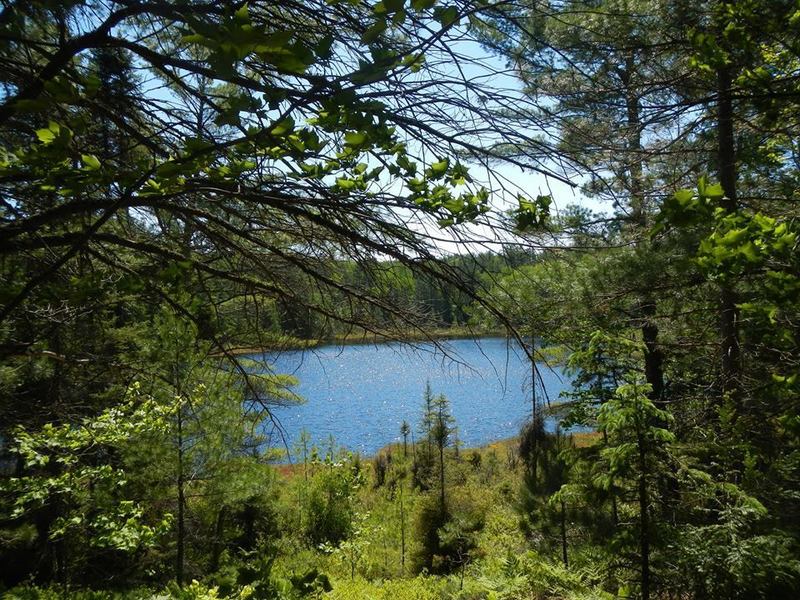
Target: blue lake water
(360,394)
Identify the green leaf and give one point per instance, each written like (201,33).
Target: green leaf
(355,138)
(702,184)
(49,134)
(228,117)
(372,32)
(291,58)
(684,197)
(169,169)
(345,184)
(62,90)
(714,191)
(420,5)
(438,169)
(750,252)
(447,16)
(92,84)
(414,62)
(368,73)
(90,162)
(454,205)
(46,136)
(394,5)
(31,106)
(243,14)
(324,47)
(274,41)
(416,185)
(532,213)
(734,237)
(282,127)
(197,38)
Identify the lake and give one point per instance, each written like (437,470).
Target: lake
(360,394)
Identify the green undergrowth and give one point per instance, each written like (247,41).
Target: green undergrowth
(351,548)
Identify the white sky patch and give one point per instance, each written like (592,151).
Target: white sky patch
(493,77)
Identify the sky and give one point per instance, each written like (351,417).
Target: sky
(482,67)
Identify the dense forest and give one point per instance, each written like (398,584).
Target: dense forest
(186,183)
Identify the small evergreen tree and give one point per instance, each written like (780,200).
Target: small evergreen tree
(405,430)
(441,435)
(638,455)
(422,469)
(546,470)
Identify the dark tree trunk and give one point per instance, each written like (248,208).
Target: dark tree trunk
(402,532)
(614,511)
(219,532)
(653,358)
(249,535)
(644,522)
(533,379)
(726,158)
(564,556)
(441,477)
(181,541)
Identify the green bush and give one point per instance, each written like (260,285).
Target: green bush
(330,502)
(726,560)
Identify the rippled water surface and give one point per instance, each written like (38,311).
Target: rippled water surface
(361,394)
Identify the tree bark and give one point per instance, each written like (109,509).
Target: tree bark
(219,531)
(533,379)
(402,532)
(653,357)
(644,522)
(181,539)
(646,306)
(564,556)
(441,477)
(726,159)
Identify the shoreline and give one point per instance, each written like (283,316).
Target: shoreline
(352,339)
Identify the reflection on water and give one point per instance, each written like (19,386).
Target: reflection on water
(361,394)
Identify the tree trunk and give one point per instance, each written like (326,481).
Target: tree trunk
(653,358)
(614,511)
(646,309)
(533,379)
(249,533)
(402,533)
(441,477)
(216,548)
(564,534)
(644,522)
(181,541)
(726,159)
(413,453)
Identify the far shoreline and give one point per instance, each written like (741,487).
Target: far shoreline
(551,356)
(288,343)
